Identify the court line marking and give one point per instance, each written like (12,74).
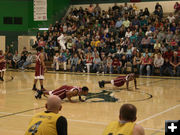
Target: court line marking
(80,121)
(157,114)
(94,74)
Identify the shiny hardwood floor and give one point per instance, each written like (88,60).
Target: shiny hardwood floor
(157,100)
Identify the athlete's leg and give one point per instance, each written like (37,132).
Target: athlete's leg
(34,86)
(41,84)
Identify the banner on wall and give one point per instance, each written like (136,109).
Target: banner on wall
(40,10)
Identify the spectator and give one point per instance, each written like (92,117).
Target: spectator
(126,23)
(158,62)
(16,59)
(126,122)
(146,65)
(89,61)
(168,54)
(157,45)
(91,9)
(175,63)
(129,53)
(163,49)
(46,126)
(108,65)
(146,12)
(9,59)
(56,61)
(119,23)
(128,33)
(116,66)
(124,64)
(74,62)
(136,62)
(41,42)
(171,18)
(62,61)
(11,48)
(29,60)
(97,9)
(158,6)
(166,67)
(62,40)
(96,63)
(145,43)
(176,7)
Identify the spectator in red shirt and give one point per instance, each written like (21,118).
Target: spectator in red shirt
(41,42)
(146,64)
(176,7)
(168,54)
(116,65)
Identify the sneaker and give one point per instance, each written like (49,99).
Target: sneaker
(38,94)
(34,89)
(100,84)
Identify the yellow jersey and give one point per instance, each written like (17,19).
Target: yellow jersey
(43,124)
(117,128)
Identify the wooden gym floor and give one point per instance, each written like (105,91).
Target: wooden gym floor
(157,100)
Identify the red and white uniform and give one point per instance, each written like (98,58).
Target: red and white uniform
(119,81)
(61,92)
(39,70)
(2,63)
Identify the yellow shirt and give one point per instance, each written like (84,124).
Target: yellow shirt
(93,43)
(97,43)
(43,124)
(117,128)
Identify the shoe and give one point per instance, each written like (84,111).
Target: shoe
(35,89)
(100,84)
(38,94)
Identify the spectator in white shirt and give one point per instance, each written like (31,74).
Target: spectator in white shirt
(158,62)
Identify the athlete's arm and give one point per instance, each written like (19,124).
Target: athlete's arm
(71,94)
(127,85)
(61,126)
(138,130)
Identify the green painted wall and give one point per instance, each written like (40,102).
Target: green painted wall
(13,8)
(24,8)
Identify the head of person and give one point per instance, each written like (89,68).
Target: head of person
(128,113)
(85,90)
(39,49)
(53,104)
(159,55)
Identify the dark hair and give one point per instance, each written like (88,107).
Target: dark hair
(39,49)
(85,88)
(1,52)
(128,112)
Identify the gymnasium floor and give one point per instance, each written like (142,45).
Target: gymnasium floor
(157,100)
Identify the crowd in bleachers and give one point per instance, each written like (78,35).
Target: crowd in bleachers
(94,40)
